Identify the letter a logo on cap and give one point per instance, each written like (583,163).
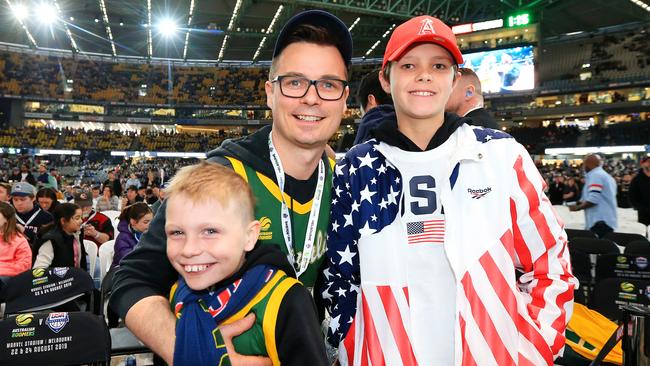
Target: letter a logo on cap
(427,27)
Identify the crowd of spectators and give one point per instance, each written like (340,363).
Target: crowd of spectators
(565,177)
(104,140)
(82,79)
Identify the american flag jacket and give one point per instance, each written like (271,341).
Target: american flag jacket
(497,222)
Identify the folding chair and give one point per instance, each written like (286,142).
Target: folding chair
(593,246)
(623,239)
(106,252)
(123,341)
(91,253)
(49,288)
(54,339)
(576,233)
(622,266)
(638,247)
(612,294)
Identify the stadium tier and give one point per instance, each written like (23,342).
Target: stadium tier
(169,167)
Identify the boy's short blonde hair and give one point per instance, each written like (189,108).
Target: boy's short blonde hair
(211,181)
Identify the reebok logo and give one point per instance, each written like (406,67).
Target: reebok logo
(479,193)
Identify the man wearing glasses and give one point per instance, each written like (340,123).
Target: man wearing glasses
(284,164)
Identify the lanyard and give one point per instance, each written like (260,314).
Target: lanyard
(30,219)
(90,217)
(310,236)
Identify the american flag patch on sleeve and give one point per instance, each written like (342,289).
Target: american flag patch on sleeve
(430,231)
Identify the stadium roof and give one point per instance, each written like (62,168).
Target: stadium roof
(245,29)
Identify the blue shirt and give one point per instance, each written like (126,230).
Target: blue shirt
(600,189)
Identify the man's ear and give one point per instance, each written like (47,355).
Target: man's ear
(372,102)
(268,88)
(252,234)
(385,84)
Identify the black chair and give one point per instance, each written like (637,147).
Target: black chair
(123,341)
(56,289)
(623,239)
(577,233)
(622,266)
(54,339)
(638,247)
(593,246)
(612,294)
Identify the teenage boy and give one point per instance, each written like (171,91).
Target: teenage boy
(284,164)
(30,218)
(223,275)
(432,221)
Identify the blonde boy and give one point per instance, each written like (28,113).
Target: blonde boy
(224,275)
(432,219)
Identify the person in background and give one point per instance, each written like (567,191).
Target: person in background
(47,200)
(571,191)
(134,221)
(45,180)
(556,190)
(113,183)
(640,192)
(15,176)
(61,243)
(97,226)
(5,190)
(150,197)
(95,193)
(15,252)
(161,198)
(598,198)
(26,175)
(30,217)
(133,181)
(375,105)
(108,201)
(466,100)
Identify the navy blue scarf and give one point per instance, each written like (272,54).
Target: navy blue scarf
(199,313)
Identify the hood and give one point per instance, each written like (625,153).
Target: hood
(387,132)
(268,254)
(252,150)
(371,120)
(123,227)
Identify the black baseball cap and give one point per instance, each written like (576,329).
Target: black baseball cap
(320,18)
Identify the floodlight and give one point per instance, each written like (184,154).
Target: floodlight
(20,11)
(167,27)
(46,13)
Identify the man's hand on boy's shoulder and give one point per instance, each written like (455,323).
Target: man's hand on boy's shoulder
(234,329)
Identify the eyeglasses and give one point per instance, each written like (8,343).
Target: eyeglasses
(297,87)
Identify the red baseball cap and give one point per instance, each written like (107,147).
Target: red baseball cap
(425,29)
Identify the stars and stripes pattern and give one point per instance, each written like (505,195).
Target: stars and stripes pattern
(500,321)
(366,191)
(429,231)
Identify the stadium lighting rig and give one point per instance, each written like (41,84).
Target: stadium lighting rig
(167,27)
(149,47)
(20,12)
(107,24)
(269,30)
(386,33)
(66,28)
(231,25)
(643,5)
(187,33)
(354,24)
(45,13)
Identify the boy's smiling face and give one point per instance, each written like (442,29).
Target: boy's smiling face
(207,242)
(421,82)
